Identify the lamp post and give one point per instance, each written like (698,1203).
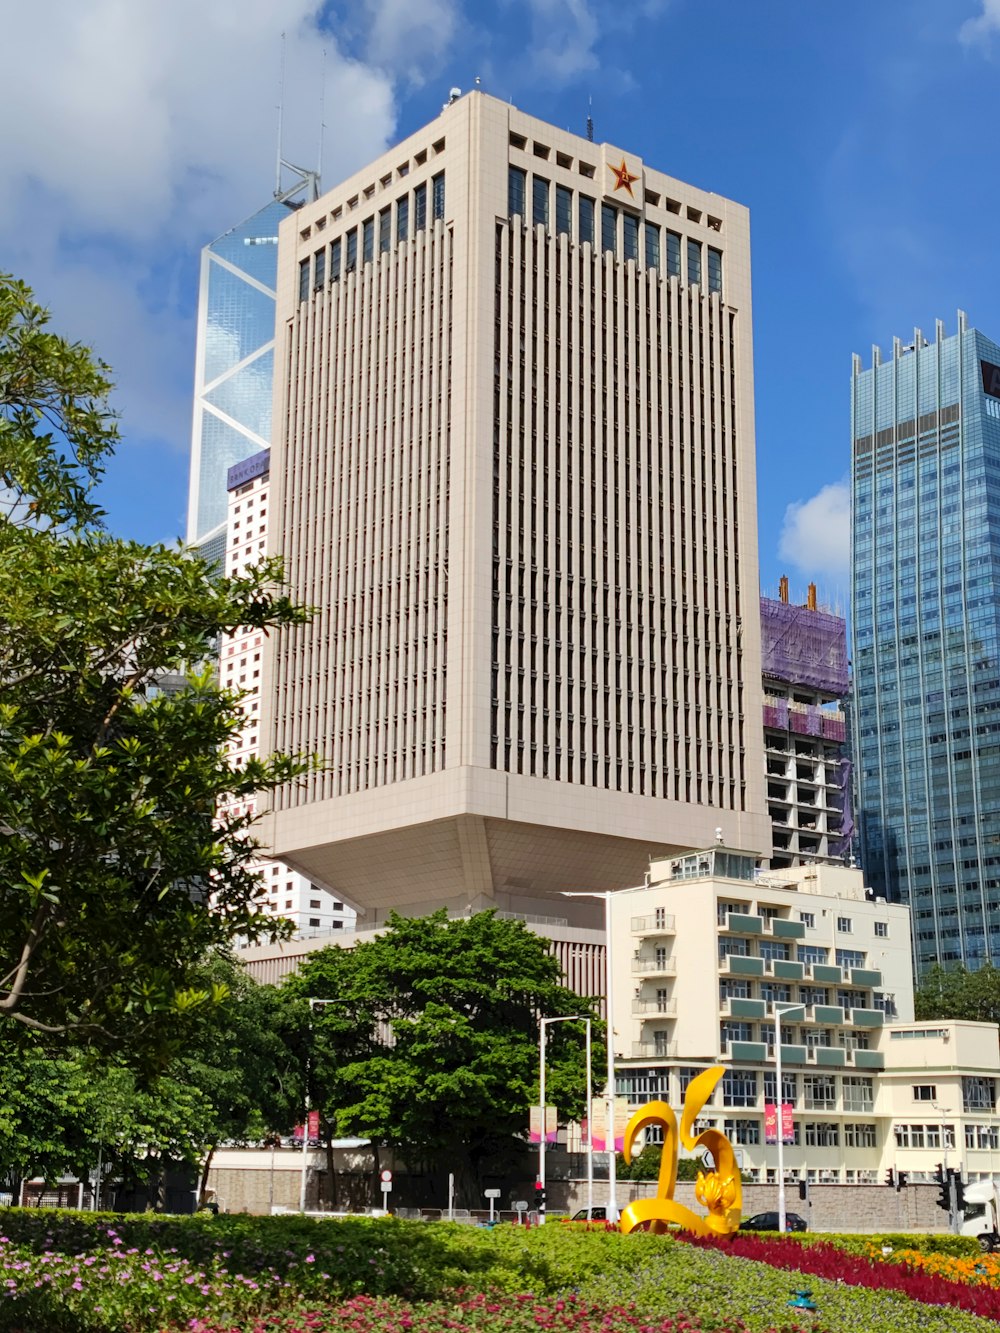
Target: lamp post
(780,1007)
(543,1023)
(612,1210)
(313,1004)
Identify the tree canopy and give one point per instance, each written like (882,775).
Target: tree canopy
(431,1042)
(117,873)
(959,993)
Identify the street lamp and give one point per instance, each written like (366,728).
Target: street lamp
(780,1007)
(612,1211)
(313,1004)
(542,1025)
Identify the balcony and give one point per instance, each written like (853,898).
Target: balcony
(791,1055)
(869,1060)
(826,1013)
(743,924)
(787,930)
(655,1008)
(785,969)
(654,967)
(867,1018)
(654,1050)
(863,976)
(831,1057)
(826,973)
(738,1007)
(749,1052)
(653,925)
(738,965)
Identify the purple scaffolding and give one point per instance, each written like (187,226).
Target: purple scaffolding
(803,647)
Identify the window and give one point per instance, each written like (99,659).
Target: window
(673,254)
(334,275)
(882,930)
(586,220)
(742,1131)
(925,1092)
(860,1136)
(850,958)
(564,210)
(694,263)
(813,953)
(319,269)
(722,910)
(731,1030)
(352,250)
(808,919)
(402,219)
(820,1091)
(978,1093)
(609,228)
(420,208)
(734,988)
(859,1093)
(437,185)
(314,921)
(812,994)
(819,1134)
(773,949)
(384,230)
(845,925)
(739,1088)
(789,1087)
(517,184)
(315,902)
(367,240)
(652,245)
(539,201)
(304,279)
(739,947)
(631,230)
(714,270)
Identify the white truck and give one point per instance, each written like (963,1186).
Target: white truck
(982,1213)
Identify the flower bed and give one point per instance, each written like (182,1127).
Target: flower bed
(822,1259)
(74,1273)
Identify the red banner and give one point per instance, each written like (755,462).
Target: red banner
(771,1123)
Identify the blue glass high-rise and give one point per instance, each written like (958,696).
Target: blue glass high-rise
(926,637)
(234,365)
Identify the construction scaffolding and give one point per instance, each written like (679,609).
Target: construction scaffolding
(802,646)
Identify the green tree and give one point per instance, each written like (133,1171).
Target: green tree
(959,993)
(116,873)
(235,1078)
(432,1046)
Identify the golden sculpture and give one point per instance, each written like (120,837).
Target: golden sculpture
(720,1191)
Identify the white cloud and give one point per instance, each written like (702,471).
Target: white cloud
(564,33)
(816,533)
(409,37)
(144,131)
(977,31)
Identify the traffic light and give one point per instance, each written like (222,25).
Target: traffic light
(539,1196)
(900,1180)
(959,1190)
(944,1189)
(804,1190)
(890,1177)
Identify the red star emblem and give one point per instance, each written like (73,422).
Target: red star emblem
(623,177)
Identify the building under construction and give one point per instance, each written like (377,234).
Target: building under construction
(804,665)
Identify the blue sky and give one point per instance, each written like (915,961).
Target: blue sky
(861,135)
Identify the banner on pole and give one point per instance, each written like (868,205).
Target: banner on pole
(771,1123)
(599,1120)
(535,1124)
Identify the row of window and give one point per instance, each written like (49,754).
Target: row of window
(621,232)
(811,954)
(341,255)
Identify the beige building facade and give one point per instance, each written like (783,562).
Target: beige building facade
(513,471)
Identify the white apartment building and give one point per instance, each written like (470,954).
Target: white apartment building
(284,892)
(704,954)
(513,470)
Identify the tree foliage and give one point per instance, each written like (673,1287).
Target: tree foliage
(959,993)
(431,1046)
(110,846)
(235,1079)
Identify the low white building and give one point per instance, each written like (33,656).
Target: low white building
(706,951)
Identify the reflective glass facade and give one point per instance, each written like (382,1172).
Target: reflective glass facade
(235,361)
(926,638)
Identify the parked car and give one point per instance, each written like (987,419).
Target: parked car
(769,1222)
(590,1215)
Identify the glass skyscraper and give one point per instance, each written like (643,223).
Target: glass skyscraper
(926,637)
(234,366)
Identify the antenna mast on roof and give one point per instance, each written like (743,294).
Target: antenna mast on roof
(322,126)
(304,177)
(590,119)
